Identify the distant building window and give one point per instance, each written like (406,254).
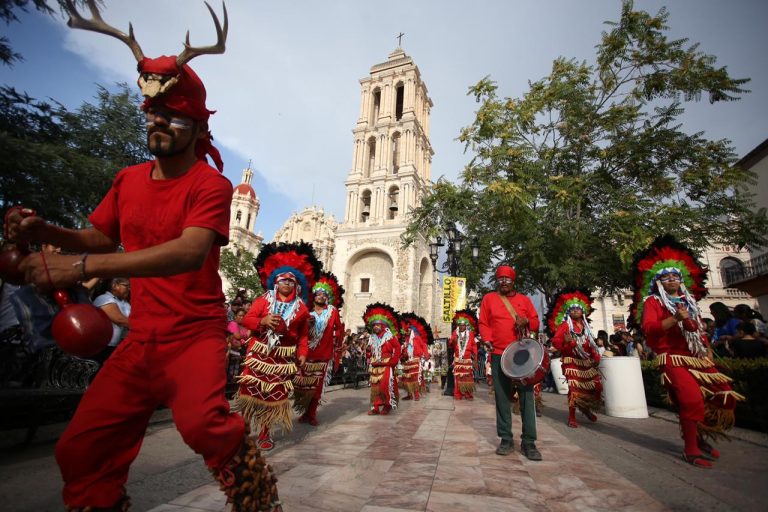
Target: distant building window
(399,102)
(365,285)
(239,216)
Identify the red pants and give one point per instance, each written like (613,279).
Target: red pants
(105,435)
(685,392)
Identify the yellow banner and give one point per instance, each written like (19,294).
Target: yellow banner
(454,296)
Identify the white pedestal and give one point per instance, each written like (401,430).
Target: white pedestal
(561,383)
(623,389)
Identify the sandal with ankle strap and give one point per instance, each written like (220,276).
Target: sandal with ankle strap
(697,460)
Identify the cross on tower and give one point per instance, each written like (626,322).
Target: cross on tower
(400,39)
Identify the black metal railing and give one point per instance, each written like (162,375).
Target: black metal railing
(755,267)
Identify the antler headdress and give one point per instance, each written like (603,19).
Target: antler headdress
(297,259)
(561,304)
(165,80)
(330,285)
(384,314)
(422,327)
(464,316)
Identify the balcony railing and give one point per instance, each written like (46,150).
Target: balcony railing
(755,267)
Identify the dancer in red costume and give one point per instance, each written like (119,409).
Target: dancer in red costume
(382,321)
(325,337)
(279,320)
(668,281)
(417,334)
(171,215)
(567,319)
(464,346)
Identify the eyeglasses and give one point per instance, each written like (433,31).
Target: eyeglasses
(287,282)
(670,278)
(181,122)
(504,280)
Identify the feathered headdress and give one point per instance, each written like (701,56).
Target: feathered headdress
(562,302)
(298,259)
(464,316)
(422,327)
(382,313)
(665,255)
(330,285)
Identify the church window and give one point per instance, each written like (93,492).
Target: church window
(238,216)
(399,98)
(365,285)
(393,206)
(731,270)
(365,206)
(371,156)
(376,107)
(248,222)
(395,152)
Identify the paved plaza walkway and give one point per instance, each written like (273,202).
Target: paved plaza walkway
(436,455)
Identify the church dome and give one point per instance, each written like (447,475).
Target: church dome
(244,189)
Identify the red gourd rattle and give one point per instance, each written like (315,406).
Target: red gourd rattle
(81,330)
(13,254)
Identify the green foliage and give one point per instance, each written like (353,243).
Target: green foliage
(237,267)
(569,181)
(61,163)
(748,379)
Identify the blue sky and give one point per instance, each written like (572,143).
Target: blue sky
(287,91)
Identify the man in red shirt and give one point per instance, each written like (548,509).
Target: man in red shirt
(504,315)
(171,215)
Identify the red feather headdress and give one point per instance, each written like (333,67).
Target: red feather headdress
(299,259)
(382,313)
(563,301)
(330,285)
(464,316)
(422,327)
(663,256)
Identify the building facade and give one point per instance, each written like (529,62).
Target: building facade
(314,226)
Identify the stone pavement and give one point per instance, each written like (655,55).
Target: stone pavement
(436,455)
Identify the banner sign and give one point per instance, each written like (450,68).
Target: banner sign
(454,296)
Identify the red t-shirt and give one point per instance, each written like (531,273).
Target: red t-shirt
(496,324)
(672,340)
(140,212)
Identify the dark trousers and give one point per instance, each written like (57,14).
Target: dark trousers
(503,391)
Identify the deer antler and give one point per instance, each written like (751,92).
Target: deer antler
(97,24)
(190,52)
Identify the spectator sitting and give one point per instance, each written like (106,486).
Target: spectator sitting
(725,328)
(115,303)
(746,346)
(746,314)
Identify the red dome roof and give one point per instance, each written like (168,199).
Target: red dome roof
(244,190)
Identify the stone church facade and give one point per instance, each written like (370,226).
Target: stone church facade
(391,167)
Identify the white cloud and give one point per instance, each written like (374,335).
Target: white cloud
(287,90)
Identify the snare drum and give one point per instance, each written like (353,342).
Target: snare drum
(525,361)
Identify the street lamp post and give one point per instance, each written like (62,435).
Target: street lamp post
(452,267)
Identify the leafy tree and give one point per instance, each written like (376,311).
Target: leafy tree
(61,163)
(236,266)
(591,164)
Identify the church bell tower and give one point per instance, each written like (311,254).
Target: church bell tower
(390,172)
